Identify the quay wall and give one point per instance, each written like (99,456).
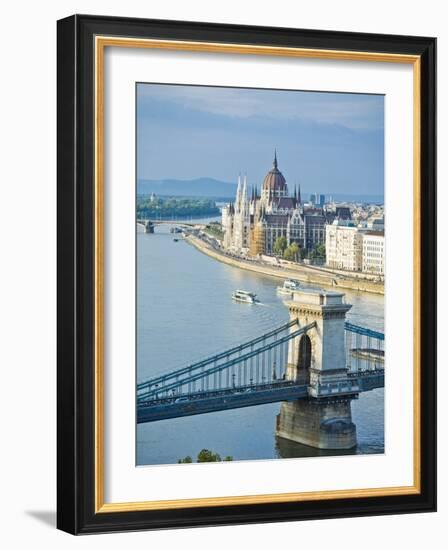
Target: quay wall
(300,273)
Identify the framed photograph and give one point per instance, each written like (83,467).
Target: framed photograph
(246,274)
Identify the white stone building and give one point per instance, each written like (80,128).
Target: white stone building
(355,248)
(373,252)
(236,220)
(344,245)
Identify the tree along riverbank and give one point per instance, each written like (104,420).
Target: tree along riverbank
(180,207)
(301,273)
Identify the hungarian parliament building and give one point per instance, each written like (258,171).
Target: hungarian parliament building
(256,220)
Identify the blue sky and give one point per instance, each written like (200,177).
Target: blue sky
(327,142)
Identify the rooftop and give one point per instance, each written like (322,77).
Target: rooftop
(318,296)
(274,179)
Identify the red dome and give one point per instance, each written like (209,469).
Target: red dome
(274,179)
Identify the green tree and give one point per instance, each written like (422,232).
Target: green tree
(208,456)
(280,246)
(318,251)
(205,456)
(291,252)
(215,230)
(150,206)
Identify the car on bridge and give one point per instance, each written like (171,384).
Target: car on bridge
(181,400)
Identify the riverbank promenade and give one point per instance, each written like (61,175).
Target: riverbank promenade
(302,273)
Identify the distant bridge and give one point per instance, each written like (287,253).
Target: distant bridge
(148,225)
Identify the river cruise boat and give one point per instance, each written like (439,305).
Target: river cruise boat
(244,296)
(288,287)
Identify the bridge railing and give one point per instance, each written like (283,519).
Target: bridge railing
(260,365)
(215,392)
(156,383)
(259,361)
(364,349)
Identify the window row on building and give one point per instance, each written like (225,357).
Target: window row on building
(354,248)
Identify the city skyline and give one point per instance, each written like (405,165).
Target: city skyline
(326,142)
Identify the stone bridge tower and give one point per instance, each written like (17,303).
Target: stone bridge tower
(317,359)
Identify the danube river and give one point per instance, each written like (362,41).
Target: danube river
(184,313)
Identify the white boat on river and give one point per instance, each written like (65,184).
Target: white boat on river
(288,287)
(244,296)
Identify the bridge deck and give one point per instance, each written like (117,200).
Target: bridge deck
(232,398)
(245,396)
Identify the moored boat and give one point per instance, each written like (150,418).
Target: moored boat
(288,287)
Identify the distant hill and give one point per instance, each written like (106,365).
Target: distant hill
(210,187)
(200,187)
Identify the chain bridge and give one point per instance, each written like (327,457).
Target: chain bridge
(315,364)
(149,225)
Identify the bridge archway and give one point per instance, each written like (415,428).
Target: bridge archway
(304,359)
